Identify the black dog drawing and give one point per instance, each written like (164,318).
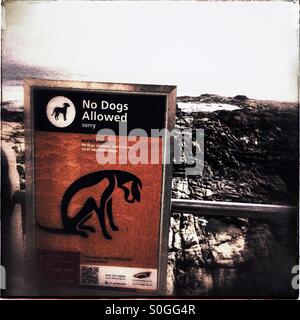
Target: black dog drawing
(61,110)
(76,225)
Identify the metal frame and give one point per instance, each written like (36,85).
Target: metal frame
(169,92)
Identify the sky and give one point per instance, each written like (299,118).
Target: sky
(202,47)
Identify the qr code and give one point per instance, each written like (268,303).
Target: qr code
(89,275)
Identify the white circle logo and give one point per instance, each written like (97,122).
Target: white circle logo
(61,111)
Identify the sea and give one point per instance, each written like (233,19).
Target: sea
(13,90)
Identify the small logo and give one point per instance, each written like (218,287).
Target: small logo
(61,111)
(142,275)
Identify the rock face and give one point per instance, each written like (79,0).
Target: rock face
(228,257)
(251,154)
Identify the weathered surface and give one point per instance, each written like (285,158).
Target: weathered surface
(228,257)
(251,154)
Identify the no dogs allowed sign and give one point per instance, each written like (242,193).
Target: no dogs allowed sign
(99,184)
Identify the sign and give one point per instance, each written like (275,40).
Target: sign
(98,172)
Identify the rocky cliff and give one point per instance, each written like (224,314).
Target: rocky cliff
(251,155)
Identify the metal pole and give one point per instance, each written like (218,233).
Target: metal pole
(232,209)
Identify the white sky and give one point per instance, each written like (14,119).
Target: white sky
(223,48)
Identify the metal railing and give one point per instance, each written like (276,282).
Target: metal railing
(232,209)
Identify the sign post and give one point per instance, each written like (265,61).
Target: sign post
(98,184)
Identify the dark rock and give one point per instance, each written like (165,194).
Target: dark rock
(241,97)
(11,116)
(250,155)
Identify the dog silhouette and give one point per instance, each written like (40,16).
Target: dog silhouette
(61,110)
(75,225)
